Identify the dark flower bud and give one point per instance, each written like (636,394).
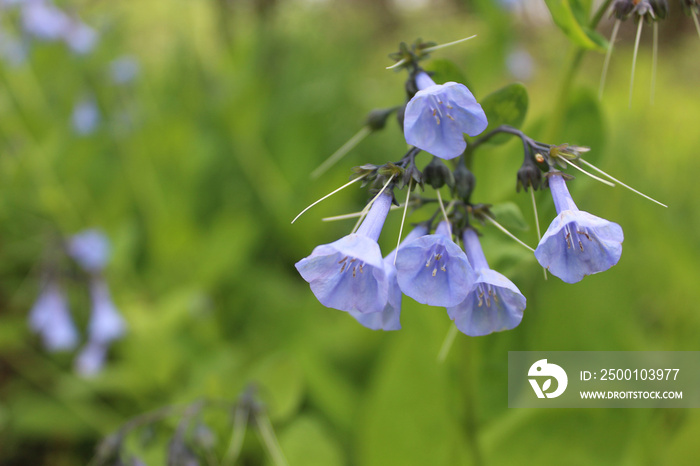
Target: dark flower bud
(437,175)
(376,119)
(464,182)
(529,173)
(622,9)
(660,8)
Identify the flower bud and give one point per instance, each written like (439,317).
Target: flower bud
(437,175)
(464,182)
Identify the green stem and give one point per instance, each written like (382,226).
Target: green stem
(574,62)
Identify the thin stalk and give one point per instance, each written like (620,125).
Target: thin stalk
(341,152)
(403,219)
(654,54)
(503,229)
(634,58)
(608,54)
(269,439)
(447,343)
(329,195)
(537,222)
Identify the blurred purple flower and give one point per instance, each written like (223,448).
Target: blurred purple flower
(90,249)
(493,303)
(106,324)
(80,37)
(51,319)
(44,21)
(86,116)
(577,244)
(433,270)
(388,318)
(91,358)
(124,69)
(437,117)
(349,274)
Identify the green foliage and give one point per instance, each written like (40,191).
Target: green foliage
(506,106)
(571,17)
(199,165)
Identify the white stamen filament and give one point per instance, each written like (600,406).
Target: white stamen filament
(634,58)
(352,215)
(449,44)
(590,174)
(398,63)
(503,229)
(329,195)
(444,212)
(622,184)
(341,152)
(607,59)
(403,218)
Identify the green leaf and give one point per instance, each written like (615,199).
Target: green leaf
(506,106)
(570,16)
(308,442)
(509,215)
(445,70)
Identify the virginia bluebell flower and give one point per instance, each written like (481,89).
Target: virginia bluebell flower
(388,318)
(50,318)
(437,117)
(123,69)
(577,243)
(433,270)
(90,249)
(493,303)
(80,37)
(44,20)
(85,117)
(349,274)
(106,324)
(91,358)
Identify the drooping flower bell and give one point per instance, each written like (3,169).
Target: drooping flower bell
(433,270)
(388,318)
(349,274)
(577,244)
(106,323)
(493,303)
(90,249)
(438,115)
(51,319)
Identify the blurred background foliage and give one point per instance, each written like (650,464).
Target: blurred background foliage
(196,167)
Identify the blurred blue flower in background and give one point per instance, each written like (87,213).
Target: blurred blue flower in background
(437,117)
(90,249)
(433,270)
(91,358)
(577,243)
(106,324)
(51,319)
(85,117)
(124,69)
(349,274)
(493,303)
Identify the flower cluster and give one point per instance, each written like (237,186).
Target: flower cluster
(51,319)
(429,266)
(44,21)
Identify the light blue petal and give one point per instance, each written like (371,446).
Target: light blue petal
(578,244)
(433,270)
(106,323)
(388,318)
(493,304)
(90,249)
(437,117)
(347,275)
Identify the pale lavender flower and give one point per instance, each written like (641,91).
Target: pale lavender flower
(90,249)
(437,117)
(85,117)
(577,243)
(106,324)
(44,20)
(124,69)
(51,319)
(80,37)
(91,358)
(493,303)
(349,274)
(433,270)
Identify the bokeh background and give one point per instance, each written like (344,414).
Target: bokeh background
(194,164)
